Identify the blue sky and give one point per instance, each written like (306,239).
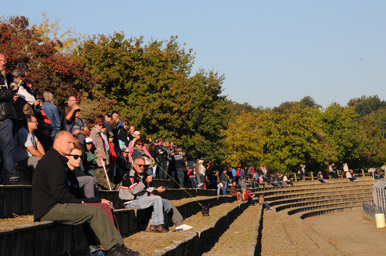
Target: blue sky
(269,51)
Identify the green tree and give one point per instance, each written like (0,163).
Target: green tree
(293,137)
(365,105)
(344,140)
(152,86)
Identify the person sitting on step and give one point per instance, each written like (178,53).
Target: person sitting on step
(136,193)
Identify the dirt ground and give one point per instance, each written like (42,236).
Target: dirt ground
(351,233)
(240,238)
(149,243)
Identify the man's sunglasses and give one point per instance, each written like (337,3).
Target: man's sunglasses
(76,156)
(140,144)
(140,165)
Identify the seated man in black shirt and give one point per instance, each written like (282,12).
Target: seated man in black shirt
(52,201)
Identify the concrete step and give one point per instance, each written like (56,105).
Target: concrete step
(18,199)
(314,198)
(243,232)
(319,202)
(48,238)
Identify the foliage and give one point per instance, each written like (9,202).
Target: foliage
(365,105)
(293,137)
(50,69)
(152,86)
(244,141)
(153,90)
(344,141)
(238,108)
(50,32)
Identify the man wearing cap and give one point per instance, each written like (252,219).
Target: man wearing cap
(137,194)
(108,118)
(103,161)
(123,160)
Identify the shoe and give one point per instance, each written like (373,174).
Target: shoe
(95,251)
(121,250)
(14,181)
(183,227)
(131,252)
(158,229)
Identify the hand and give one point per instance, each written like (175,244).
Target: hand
(15,98)
(149,179)
(83,202)
(76,132)
(105,201)
(99,155)
(160,189)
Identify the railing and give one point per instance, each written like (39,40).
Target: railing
(369,210)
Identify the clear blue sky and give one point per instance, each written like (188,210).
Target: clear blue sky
(269,51)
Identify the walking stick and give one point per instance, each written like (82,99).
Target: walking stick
(107,176)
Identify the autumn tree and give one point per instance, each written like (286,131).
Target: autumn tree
(244,140)
(50,70)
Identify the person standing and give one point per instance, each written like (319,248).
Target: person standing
(224,181)
(345,170)
(52,113)
(302,172)
(7,114)
(104,161)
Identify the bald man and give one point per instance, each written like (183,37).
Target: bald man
(51,200)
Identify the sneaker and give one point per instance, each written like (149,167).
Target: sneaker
(183,227)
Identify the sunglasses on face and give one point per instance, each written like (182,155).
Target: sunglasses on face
(140,165)
(139,144)
(76,156)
